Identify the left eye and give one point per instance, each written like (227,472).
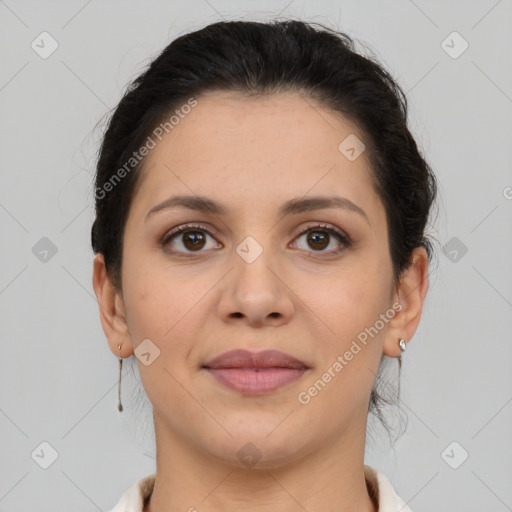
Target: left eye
(321,237)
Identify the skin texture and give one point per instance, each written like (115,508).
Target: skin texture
(252,155)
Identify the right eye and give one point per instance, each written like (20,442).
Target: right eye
(188,238)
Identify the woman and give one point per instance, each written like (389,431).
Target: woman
(260,248)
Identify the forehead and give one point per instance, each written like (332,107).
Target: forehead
(285,124)
(256,150)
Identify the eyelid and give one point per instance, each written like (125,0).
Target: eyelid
(343,238)
(341,235)
(322,225)
(186,227)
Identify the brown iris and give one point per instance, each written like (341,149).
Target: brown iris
(318,239)
(193,240)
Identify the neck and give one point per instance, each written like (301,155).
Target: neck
(330,478)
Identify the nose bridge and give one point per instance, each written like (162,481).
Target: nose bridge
(252,269)
(255,291)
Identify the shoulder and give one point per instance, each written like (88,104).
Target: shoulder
(133,498)
(382,491)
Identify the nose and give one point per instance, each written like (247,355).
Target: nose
(256,293)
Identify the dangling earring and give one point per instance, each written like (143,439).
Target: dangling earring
(403,346)
(119,406)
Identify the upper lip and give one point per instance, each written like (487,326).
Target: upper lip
(247,359)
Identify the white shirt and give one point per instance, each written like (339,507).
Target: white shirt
(133,499)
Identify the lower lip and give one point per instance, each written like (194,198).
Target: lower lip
(250,381)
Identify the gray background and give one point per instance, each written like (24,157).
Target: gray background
(58,377)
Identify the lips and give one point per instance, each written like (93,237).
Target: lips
(253,373)
(247,359)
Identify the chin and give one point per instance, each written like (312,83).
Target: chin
(261,446)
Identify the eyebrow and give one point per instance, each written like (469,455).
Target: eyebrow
(293,206)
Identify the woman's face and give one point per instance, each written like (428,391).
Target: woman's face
(293,258)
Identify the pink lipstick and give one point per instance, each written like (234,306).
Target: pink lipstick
(255,373)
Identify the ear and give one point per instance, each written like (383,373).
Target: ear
(411,293)
(112,311)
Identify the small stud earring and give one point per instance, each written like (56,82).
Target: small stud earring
(403,346)
(119,406)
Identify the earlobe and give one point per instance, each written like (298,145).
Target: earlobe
(111,308)
(411,296)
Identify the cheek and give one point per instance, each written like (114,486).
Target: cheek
(347,301)
(165,315)
(156,308)
(350,306)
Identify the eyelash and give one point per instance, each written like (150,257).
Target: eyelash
(339,235)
